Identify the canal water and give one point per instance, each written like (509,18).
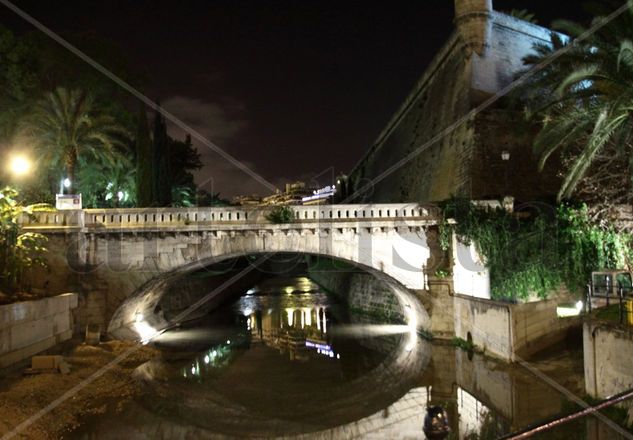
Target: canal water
(287,359)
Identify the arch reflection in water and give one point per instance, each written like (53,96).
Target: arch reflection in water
(286,347)
(293,330)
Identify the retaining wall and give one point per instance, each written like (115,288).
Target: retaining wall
(27,328)
(608,351)
(509,331)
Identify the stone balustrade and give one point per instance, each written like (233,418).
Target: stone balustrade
(100,219)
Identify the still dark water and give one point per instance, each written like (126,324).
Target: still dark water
(286,359)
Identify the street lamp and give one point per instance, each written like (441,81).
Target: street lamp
(505,157)
(19,165)
(64,183)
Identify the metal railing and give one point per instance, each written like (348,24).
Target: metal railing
(624,297)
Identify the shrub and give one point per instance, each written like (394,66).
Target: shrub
(19,251)
(281,214)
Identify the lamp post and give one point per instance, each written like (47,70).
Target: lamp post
(505,157)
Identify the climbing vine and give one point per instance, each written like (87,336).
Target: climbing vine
(536,249)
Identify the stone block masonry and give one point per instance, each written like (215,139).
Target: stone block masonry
(108,255)
(412,156)
(508,331)
(30,327)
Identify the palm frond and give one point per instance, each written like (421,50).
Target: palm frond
(625,55)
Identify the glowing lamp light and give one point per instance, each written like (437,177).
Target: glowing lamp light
(19,165)
(206,359)
(66,182)
(567,310)
(505,155)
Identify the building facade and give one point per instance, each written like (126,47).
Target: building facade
(445,140)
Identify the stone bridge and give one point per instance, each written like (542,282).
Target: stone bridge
(114,257)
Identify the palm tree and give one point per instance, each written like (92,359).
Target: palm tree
(108,184)
(66,125)
(584,100)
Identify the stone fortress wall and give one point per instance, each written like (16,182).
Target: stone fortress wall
(481,57)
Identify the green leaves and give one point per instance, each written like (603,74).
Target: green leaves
(19,252)
(533,253)
(625,57)
(584,98)
(67,126)
(281,214)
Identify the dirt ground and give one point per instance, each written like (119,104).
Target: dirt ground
(22,397)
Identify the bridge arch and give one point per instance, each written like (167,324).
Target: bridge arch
(140,316)
(115,253)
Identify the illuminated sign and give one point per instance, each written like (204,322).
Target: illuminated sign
(322,193)
(317,345)
(68,201)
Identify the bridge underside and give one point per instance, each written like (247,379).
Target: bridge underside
(150,308)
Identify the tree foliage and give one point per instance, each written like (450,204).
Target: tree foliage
(537,249)
(109,184)
(281,214)
(584,100)
(144,161)
(86,135)
(19,81)
(65,126)
(161,163)
(19,251)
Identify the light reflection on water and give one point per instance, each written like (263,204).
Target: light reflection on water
(287,359)
(295,325)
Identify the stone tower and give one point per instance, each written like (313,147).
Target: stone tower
(472,19)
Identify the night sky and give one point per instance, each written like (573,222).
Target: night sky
(293,89)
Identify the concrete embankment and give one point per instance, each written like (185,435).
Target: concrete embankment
(27,328)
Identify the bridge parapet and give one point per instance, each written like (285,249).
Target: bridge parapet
(101,220)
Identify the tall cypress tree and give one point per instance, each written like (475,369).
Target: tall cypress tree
(144,160)
(161,163)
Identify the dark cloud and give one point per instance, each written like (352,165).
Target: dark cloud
(220,123)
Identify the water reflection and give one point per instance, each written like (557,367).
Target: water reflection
(295,330)
(285,359)
(262,355)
